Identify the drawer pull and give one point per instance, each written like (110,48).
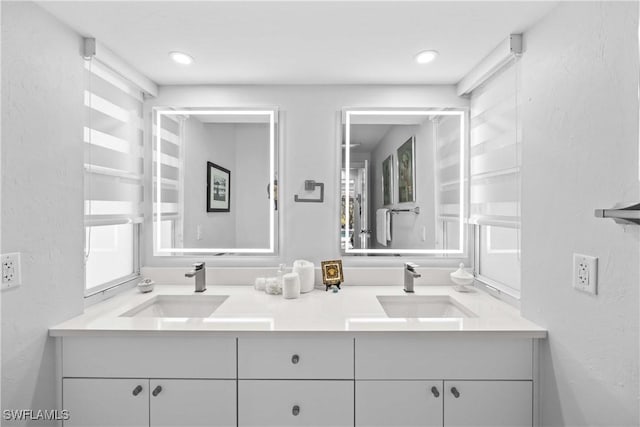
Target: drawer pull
(295,359)
(455,392)
(435,391)
(156,391)
(137,390)
(295,410)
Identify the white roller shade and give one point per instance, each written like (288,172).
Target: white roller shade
(496,151)
(447,134)
(447,131)
(113,147)
(171,155)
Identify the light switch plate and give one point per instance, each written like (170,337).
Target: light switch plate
(11,272)
(585,273)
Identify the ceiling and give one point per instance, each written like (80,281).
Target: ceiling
(365,138)
(300,42)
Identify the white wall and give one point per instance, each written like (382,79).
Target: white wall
(406,228)
(243,149)
(579,76)
(215,143)
(310,138)
(42,196)
(249,187)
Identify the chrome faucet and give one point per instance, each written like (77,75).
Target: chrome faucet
(199,273)
(409,275)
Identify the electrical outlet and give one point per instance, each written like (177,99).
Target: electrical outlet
(11,274)
(585,273)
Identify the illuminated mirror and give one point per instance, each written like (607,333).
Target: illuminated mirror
(215,186)
(403,181)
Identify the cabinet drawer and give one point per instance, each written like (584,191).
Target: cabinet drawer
(280,403)
(430,357)
(159,357)
(295,358)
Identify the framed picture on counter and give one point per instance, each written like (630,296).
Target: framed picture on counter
(332,273)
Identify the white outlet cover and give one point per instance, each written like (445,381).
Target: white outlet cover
(11,271)
(585,273)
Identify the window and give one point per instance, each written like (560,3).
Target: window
(113,177)
(499,256)
(495,180)
(111,255)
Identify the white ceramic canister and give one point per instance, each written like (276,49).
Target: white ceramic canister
(291,285)
(306,271)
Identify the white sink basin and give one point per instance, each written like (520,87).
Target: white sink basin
(178,306)
(423,306)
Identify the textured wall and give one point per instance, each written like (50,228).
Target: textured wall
(42,187)
(579,77)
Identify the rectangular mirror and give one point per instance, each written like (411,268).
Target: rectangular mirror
(215,186)
(403,191)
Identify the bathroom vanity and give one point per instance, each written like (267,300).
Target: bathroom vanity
(323,360)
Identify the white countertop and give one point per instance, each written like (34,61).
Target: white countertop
(353,309)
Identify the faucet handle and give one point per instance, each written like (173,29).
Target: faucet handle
(410,266)
(198,265)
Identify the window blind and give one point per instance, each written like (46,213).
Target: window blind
(169,212)
(171,154)
(447,146)
(447,129)
(495,151)
(113,141)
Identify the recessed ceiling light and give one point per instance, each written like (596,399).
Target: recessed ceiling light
(181,58)
(426,56)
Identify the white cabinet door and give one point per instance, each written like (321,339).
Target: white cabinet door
(399,403)
(106,402)
(273,403)
(191,403)
(488,403)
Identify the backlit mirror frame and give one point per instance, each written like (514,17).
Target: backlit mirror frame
(272,116)
(348,114)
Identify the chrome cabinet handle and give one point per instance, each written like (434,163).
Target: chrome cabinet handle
(295,359)
(435,391)
(455,392)
(295,410)
(156,391)
(137,390)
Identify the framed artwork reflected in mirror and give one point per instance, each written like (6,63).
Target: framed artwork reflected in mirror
(406,173)
(218,188)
